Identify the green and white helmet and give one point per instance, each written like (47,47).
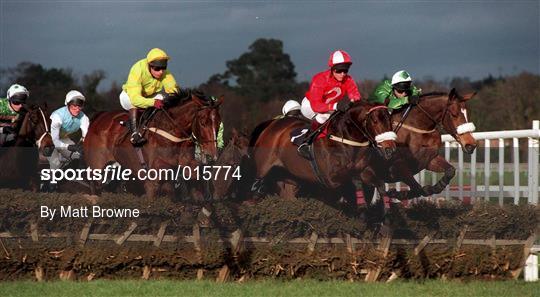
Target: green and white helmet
(401,80)
(17,93)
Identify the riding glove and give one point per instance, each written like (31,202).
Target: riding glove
(414,99)
(7,130)
(158,104)
(76,148)
(343,105)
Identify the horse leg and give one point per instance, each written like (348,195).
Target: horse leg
(151,189)
(439,164)
(287,190)
(348,192)
(375,210)
(399,170)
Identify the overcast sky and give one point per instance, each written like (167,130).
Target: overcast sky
(440,39)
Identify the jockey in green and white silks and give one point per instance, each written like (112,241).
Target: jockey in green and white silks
(65,121)
(396,93)
(10,112)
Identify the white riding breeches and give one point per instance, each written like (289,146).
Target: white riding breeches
(310,114)
(61,156)
(126,102)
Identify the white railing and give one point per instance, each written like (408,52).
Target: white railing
(487,190)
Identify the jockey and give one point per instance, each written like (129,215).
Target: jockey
(396,93)
(10,110)
(147,80)
(65,121)
(325,92)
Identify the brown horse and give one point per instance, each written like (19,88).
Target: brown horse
(341,155)
(20,161)
(419,141)
(233,155)
(190,118)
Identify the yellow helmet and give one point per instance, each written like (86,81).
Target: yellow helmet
(157,57)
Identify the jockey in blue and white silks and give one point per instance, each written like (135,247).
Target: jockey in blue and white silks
(65,121)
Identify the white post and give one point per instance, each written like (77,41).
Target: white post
(473,177)
(501,171)
(516,170)
(535,151)
(486,168)
(460,173)
(531,268)
(447,157)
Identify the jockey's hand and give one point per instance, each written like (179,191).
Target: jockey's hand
(158,104)
(343,105)
(76,148)
(414,99)
(7,130)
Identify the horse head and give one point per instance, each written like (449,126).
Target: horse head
(35,129)
(202,121)
(374,123)
(457,122)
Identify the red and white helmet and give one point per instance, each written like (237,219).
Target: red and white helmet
(339,57)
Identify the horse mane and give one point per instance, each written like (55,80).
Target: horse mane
(184,95)
(433,94)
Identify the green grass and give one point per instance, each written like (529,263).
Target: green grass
(271,288)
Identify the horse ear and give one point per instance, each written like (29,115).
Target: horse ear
(453,94)
(219,100)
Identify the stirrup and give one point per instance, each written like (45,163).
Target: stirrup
(303,151)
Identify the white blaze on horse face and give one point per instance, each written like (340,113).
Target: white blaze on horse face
(464,112)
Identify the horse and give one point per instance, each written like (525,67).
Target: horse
(233,154)
(189,118)
(419,141)
(20,161)
(342,154)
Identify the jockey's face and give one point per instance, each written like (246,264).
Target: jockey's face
(16,106)
(74,110)
(400,94)
(339,74)
(157,72)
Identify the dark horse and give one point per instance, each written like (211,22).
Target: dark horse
(233,154)
(419,141)
(343,154)
(189,119)
(20,161)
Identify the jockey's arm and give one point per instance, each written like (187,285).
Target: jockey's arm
(382,91)
(169,83)
(56,125)
(85,122)
(316,100)
(134,88)
(352,90)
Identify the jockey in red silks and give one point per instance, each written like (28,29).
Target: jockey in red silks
(326,92)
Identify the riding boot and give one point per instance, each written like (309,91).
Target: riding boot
(136,137)
(303,148)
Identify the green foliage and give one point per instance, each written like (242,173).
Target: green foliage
(263,73)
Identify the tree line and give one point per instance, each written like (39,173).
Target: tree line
(259,81)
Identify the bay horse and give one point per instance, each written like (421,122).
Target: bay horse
(20,161)
(234,154)
(343,154)
(419,141)
(190,118)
